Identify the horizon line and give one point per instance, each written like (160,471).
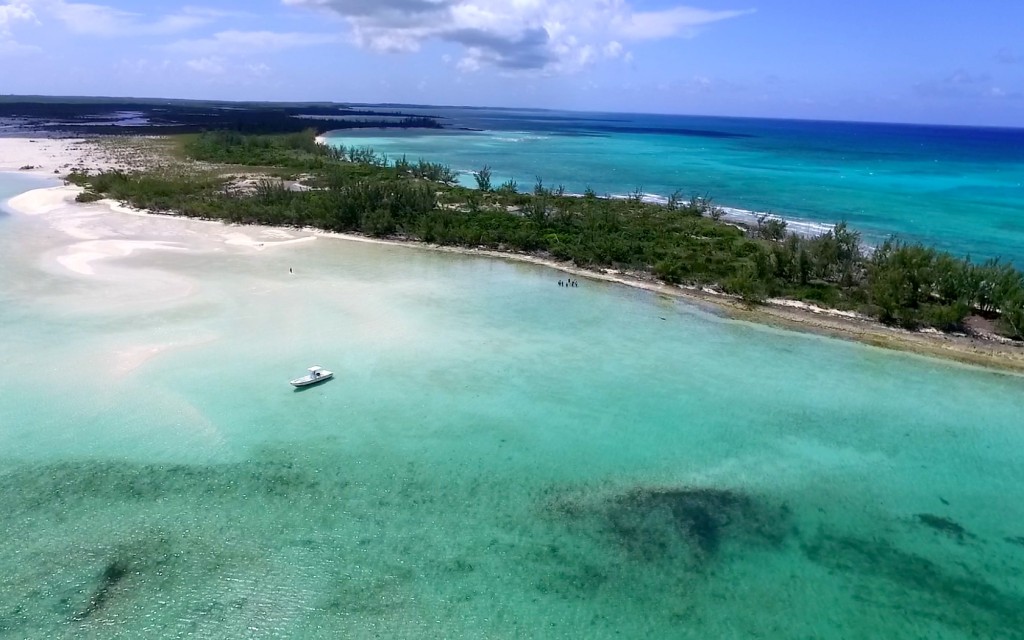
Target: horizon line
(11,97)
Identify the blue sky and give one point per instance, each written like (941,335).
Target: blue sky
(951,62)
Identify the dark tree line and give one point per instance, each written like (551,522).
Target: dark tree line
(169,117)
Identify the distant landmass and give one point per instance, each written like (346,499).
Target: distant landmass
(137,116)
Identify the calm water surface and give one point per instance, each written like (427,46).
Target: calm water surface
(498,457)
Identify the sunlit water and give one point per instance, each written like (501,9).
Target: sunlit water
(958,188)
(498,457)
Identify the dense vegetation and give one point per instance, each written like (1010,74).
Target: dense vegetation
(94,116)
(682,241)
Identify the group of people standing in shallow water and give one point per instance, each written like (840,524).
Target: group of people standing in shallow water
(568,283)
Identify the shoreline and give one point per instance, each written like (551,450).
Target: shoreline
(736,215)
(967,350)
(970,350)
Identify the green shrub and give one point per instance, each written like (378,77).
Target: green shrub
(88,196)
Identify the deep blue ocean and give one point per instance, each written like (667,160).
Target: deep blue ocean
(958,188)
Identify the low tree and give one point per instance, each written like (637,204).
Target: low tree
(538,206)
(402,166)
(509,187)
(483,179)
(674,201)
(1012,317)
(770,227)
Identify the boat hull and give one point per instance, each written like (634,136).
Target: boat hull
(308,381)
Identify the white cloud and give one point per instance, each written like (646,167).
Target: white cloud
(550,35)
(680,21)
(11,12)
(142,66)
(212,69)
(209,66)
(259,70)
(103,20)
(10,48)
(245,42)
(225,72)
(962,77)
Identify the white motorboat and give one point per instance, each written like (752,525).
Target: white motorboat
(316,375)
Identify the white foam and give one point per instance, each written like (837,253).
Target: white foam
(745,217)
(804,228)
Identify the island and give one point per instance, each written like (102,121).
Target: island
(267,165)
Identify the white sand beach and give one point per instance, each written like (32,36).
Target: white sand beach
(102,258)
(108,230)
(49,155)
(53,155)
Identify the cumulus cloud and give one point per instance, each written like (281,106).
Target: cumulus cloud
(211,66)
(962,77)
(12,48)
(679,21)
(141,66)
(11,12)
(215,70)
(225,72)
(613,49)
(258,70)
(552,35)
(234,42)
(103,20)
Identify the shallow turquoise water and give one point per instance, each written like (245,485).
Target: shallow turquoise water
(11,184)
(498,457)
(958,188)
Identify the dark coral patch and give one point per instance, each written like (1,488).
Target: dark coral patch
(111,577)
(944,525)
(957,598)
(654,523)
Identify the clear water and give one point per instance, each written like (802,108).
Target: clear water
(11,184)
(958,188)
(497,458)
